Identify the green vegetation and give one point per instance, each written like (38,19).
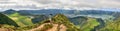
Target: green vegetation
(91,23)
(21,20)
(112,26)
(84,23)
(16,22)
(6,20)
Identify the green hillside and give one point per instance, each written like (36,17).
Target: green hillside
(6,20)
(21,20)
(90,24)
(112,26)
(84,23)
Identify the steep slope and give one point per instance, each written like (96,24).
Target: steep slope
(6,20)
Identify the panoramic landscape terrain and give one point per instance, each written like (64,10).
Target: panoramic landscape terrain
(59,15)
(59,20)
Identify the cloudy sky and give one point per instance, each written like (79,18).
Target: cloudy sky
(38,4)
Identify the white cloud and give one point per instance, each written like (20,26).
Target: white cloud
(37,4)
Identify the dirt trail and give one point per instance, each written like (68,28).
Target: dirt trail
(54,28)
(3,29)
(38,28)
(63,28)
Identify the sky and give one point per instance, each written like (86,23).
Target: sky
(66,4)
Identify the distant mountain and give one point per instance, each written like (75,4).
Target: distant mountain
(9,11)
(74,12)
(97,12)
(45,12)
(69,13)
(62,11)
(6,20)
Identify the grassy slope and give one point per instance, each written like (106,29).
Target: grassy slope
(91,23)
(85,23)
(21,20)
(112,26)
(6,20)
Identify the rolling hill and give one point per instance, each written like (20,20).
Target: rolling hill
(6,20)
(21,20)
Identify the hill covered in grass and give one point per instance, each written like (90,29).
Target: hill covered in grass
(6,20)
(21,20)
(112,25)
(85,23)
